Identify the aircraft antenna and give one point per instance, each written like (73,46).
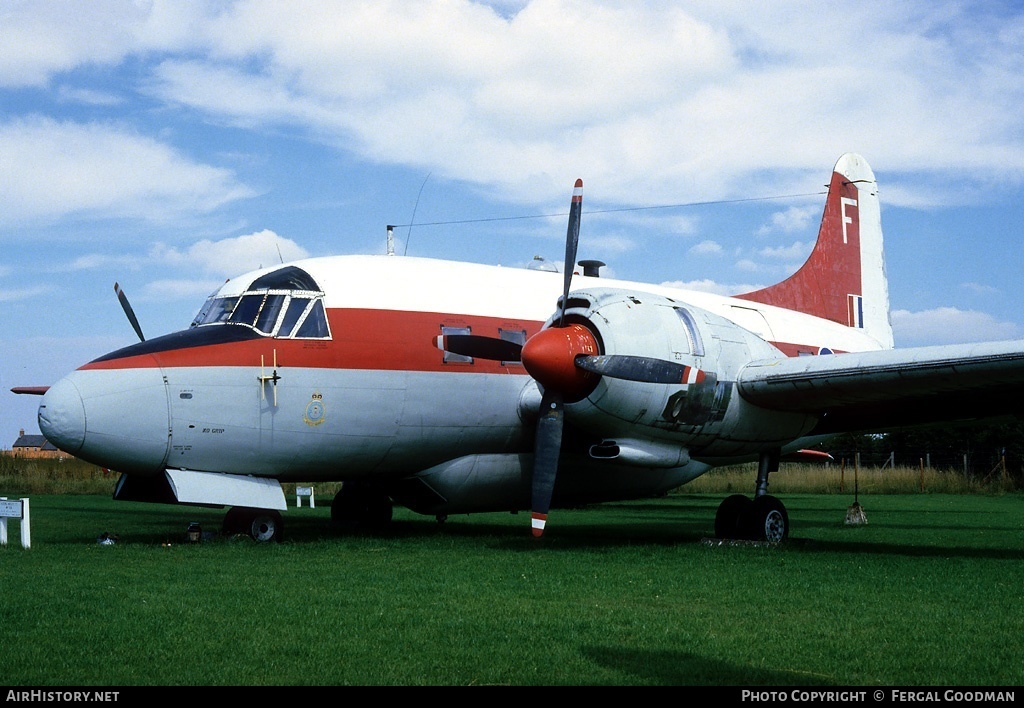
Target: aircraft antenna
(414,207)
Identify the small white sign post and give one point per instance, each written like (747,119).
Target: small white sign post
(15,510)
(305,492)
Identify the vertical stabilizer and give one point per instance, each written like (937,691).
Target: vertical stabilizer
(843,279)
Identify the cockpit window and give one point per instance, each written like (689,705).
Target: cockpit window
(283,303)
(266,322)
(246,310)
(315,324)
(296,308)
(215,309)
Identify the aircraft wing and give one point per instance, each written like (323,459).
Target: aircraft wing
(892,388)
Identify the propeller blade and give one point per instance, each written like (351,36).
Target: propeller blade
(572,239)
(545,458)
(126,306)
(30,390)
(480,347)
(639,368)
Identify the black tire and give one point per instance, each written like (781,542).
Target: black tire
(729,515)
(265,526)
(766,520)
(261,525)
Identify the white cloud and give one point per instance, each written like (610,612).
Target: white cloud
(710,286)
(609,243)
(795,252)
(12,294)
(949,325)
(790,220)
(179,289)
(622,92)
(980,288)
(231,256)
(50,169)
(714,101)
(706,248)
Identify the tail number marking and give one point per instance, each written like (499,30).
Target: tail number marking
(846,201)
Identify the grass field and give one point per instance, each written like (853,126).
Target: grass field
(929,592)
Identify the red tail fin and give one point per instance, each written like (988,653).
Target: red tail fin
(843,279)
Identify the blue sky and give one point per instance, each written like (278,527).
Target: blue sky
(168,145)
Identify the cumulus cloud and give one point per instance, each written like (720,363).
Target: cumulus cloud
(949,325)
(651,100)
(620,92)
(792,219)
(231,256)
(50,169)
(37,40)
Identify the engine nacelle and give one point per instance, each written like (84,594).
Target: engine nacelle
(706,416)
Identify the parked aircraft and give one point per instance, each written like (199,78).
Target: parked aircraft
(452,387)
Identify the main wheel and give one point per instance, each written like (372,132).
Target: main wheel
(262,525)
(729,515)
(767,520)
(266,526)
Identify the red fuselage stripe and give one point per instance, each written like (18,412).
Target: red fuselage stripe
(385,340)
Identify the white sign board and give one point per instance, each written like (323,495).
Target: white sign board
(10,509)
(15,510)
(305,492)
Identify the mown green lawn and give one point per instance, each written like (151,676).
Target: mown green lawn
(930,592)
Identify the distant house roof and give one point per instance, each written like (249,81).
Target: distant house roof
(39,441)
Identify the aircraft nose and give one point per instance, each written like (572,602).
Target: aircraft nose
(62,416)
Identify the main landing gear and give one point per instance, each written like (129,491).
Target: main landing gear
(762,518)
(262,525)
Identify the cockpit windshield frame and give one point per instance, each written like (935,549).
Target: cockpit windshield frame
(271,308)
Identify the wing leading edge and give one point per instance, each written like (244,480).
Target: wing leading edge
(892,388)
